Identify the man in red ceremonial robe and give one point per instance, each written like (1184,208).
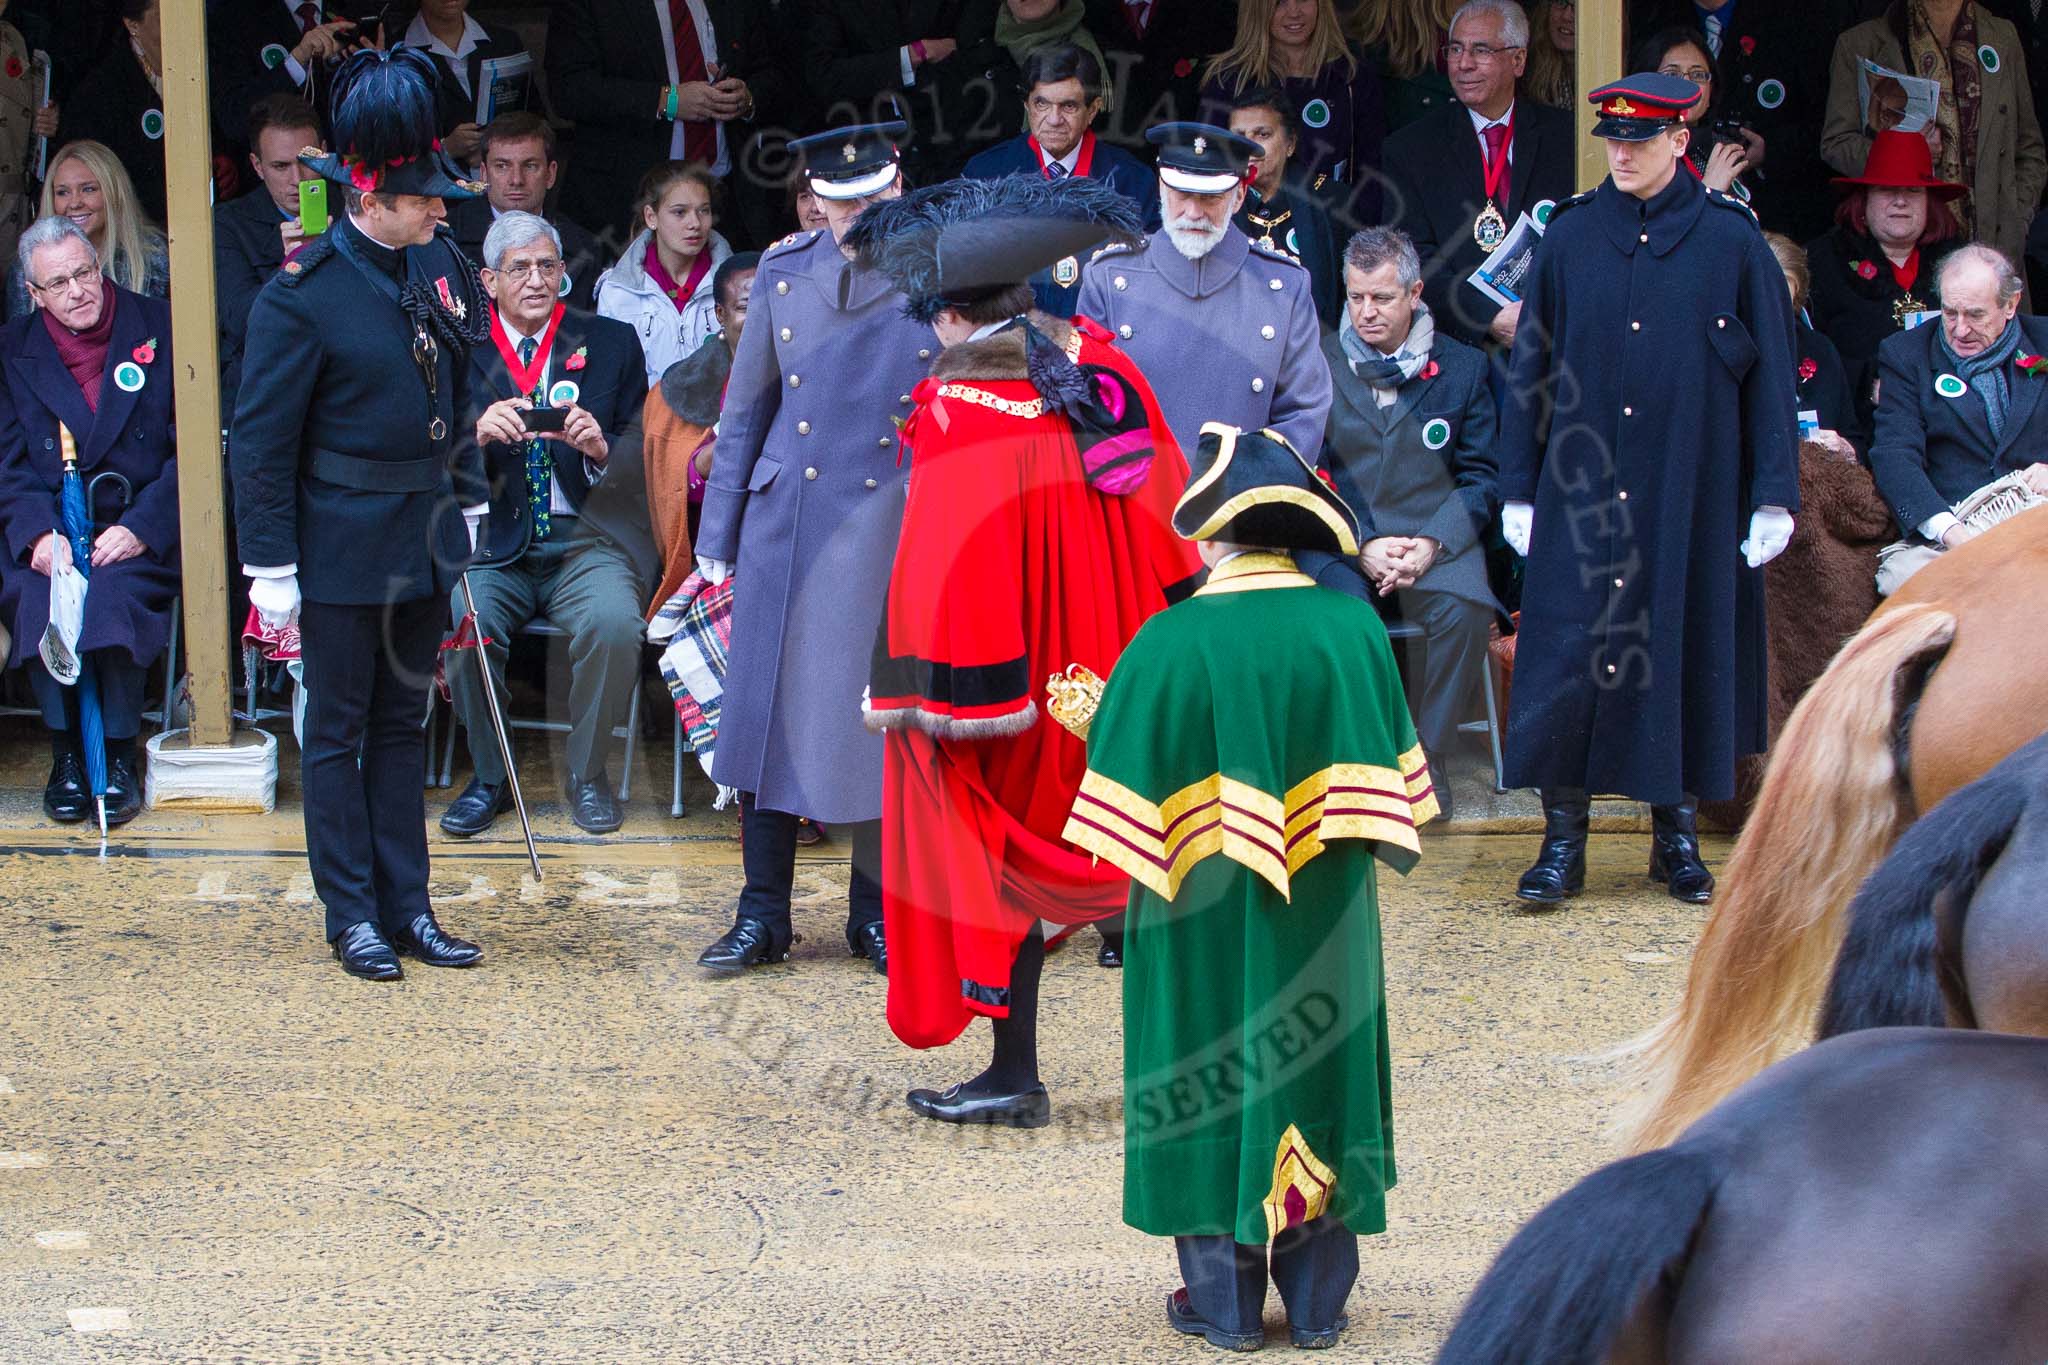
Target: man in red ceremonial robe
(1037,535)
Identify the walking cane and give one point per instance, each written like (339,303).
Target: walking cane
(483,664)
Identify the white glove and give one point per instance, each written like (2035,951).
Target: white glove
(1515,520)
(1770,531)
(715,571)
(472,517)
(276,600)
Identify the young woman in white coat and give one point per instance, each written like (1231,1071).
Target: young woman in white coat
(661,286)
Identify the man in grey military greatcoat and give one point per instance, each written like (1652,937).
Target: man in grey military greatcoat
(1225,330)
(802,508)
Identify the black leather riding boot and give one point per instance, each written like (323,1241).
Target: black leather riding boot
(1675,852)
(1560,869)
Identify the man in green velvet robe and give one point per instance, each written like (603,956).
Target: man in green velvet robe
(1250,756)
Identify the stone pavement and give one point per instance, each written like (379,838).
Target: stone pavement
(214,1146)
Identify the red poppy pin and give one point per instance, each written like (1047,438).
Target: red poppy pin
(1429,370)
(1324,475)
(1183,68)
(2036,365)
(1864,269)
(578,360)
(1807,370)
(1748,45)
(14,68)
(145,354)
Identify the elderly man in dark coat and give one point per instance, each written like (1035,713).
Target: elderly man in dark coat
(1650,440)
(806,494)
(92,362)
(1960,408)
(1410,447)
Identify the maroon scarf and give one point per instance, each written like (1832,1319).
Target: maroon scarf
(85,353)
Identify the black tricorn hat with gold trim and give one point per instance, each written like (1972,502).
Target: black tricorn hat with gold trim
(1253,488)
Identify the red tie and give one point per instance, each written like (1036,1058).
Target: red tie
(1496,136)
(700,137)
(309,17)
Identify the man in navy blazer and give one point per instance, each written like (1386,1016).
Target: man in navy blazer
(555,549)
(1062,99)
(1959,405)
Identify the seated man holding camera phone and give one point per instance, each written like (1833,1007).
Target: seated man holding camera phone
(556,403)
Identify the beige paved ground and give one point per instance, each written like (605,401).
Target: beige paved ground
(584,1152)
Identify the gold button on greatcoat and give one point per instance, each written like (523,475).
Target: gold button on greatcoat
(782,286)
(869,483)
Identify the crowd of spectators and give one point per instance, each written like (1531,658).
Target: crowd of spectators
(651,139)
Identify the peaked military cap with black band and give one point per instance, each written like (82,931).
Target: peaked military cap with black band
(383,115)
(950,245)
(853,162)
(1253,488)
(1200,158)
(1637,108)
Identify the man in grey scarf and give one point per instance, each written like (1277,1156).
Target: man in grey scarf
(1958,412)
(1409,445)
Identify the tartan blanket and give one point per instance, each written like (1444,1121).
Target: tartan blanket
(697,623)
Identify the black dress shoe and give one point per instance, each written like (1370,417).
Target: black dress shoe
(426,940)
(592,805)
(868,942)
(1027,1109)
(363,951)
(1181,1314)
(1111,953)
(67,797)
(124,788)
(1304,1339)
(480,803)
(1675,853)
(1560,868)
(749,943)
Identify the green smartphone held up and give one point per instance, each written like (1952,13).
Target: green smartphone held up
(313,207)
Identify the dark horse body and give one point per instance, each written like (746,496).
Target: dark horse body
(1878,1199)
(1952,928)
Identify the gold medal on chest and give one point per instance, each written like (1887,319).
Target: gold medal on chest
(1489,229)
(1904,307)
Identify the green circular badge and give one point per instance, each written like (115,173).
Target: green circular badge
(563,393)
(128,377)
(562,290)
(1987,57)
(1437,434)
(1771,94)
(1541,213)
(1294,244)
(153,124)
(1948,386)
(274,55)
(1316,113)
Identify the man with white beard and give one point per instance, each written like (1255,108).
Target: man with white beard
(1224,329)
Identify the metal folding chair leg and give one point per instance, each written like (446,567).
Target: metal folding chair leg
(1500,776)
(632,740)
(675,804)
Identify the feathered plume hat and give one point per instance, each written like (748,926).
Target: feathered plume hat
(382,114)
(950,245)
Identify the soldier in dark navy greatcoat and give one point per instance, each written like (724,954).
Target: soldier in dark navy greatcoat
(1649,468)
(353,512)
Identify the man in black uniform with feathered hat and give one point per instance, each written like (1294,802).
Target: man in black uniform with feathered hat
(353,514)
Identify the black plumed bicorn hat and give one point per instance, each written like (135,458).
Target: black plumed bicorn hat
(385,135)
(951,244)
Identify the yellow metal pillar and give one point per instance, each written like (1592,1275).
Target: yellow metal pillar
(1603,35)
(202,494)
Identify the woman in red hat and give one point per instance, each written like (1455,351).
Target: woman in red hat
(1876,270)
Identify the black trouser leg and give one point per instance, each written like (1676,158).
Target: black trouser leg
(1226,1282)
(1014,1068)
(1112,930)
(395,759)
(864,892)
(367,669)
(1314,1267)
(768,858)
(121,683)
